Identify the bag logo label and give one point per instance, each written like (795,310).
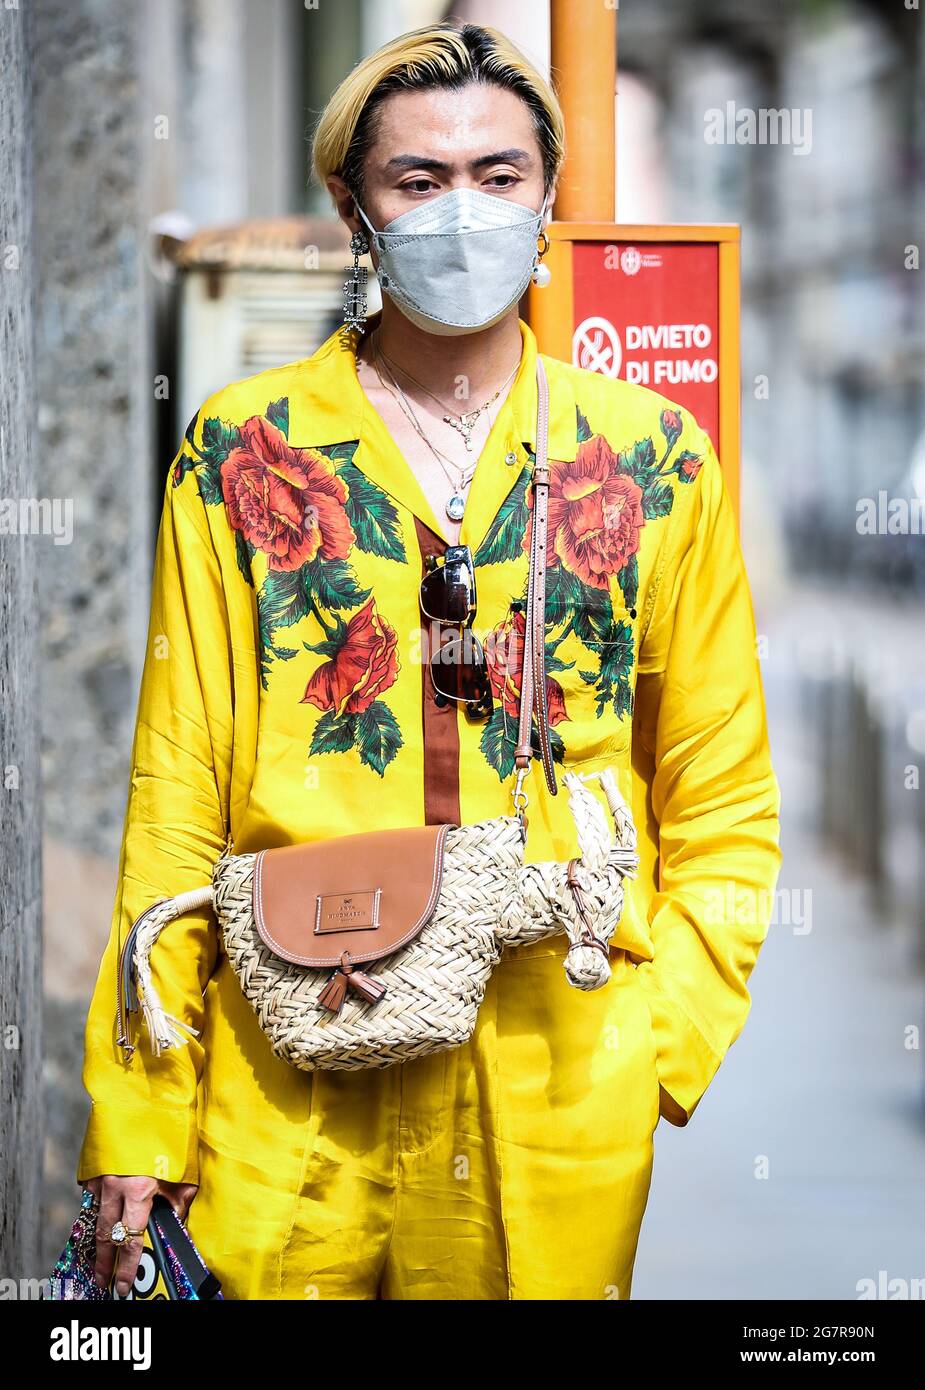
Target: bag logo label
(347,911)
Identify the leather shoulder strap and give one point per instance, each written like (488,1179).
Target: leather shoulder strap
(533,678)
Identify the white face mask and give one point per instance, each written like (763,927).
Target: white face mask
(458,262)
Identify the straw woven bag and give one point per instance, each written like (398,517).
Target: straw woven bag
(368,950)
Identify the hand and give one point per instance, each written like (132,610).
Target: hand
(128,1199)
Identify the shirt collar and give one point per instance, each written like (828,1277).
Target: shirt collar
(563,428)
(341,411)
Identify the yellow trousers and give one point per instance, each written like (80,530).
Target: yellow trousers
(489,1171)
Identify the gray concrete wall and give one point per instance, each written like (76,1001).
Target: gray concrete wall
(21,555)
(94,392)
(94,133)
(139,110)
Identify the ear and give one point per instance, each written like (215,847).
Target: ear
(343,201)
(550,202)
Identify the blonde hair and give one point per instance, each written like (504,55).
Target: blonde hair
(441,55)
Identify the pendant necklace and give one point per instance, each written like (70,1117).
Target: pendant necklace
(456,503)
(463,423)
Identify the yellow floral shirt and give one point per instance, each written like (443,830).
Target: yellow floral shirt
(284,699)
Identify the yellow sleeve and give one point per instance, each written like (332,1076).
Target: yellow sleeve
(700,711)
(143,1118)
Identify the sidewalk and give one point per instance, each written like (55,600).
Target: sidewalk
(819,1092)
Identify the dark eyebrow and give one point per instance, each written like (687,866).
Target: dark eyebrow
(421,161)
(513,156)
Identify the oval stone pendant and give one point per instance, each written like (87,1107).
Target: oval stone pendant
(455,507)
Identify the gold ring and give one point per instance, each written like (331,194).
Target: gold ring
(120,1233)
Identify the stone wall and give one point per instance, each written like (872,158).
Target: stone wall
(94,395)
(179,107)
(22,552)
(93,135)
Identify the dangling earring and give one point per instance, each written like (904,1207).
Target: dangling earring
(541,273)
(355,288)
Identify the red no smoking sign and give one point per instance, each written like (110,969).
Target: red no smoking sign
(649,313)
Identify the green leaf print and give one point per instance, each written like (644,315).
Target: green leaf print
(245,552)
(218,440)
(628,578)
(584,429)
(498,742)
(269,653)
(566,595)
(372,515)
(621,697)
(612,680)
(334,733)
(378,736)
(288,595)
(284,598)
(592,624)
(639,462)
(657,500)
(210,483)
(332,584)
(281,602)
(505,538)
(339,453)
(555,743)
(554,663)
(278,414)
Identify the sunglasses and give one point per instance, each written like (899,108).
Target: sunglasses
(458,669)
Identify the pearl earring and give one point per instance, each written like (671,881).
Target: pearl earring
(541,273)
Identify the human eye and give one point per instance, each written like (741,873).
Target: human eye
(420,184)
(502,181)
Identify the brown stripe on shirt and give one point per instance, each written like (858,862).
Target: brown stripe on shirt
(440,731)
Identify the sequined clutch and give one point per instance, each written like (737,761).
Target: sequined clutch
(170,1266)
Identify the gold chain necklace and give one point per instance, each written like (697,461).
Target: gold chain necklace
(455,505)
(465,422)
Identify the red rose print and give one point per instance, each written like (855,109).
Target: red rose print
(504,653)
(671,427)
(595,513)
(288,502)
(689,465)
(365,665)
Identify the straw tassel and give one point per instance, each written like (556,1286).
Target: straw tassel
(585,897)
(164,1030)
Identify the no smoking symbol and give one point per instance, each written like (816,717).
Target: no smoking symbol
(596,347)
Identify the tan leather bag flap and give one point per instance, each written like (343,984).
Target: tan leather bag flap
(363,894)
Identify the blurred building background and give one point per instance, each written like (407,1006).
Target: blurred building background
(155,131)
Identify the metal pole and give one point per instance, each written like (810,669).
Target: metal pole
(583,36)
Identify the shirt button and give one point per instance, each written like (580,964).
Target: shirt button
(510,458)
